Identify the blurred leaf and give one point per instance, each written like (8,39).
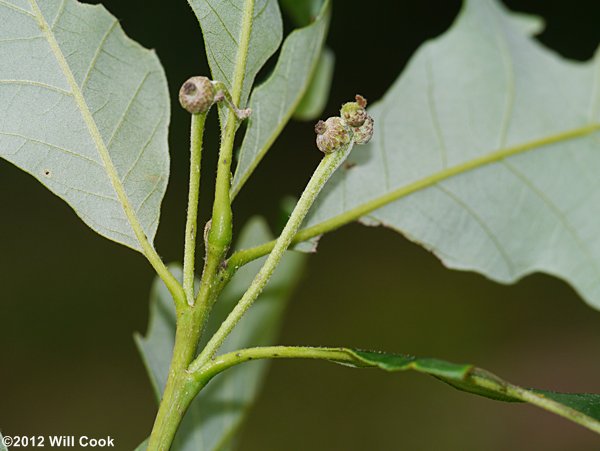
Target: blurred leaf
(2,446)
(274,102)
(217,412)
(221,23)
(312,104)
(85,110)
(488,153)
(315,98)
(302,12)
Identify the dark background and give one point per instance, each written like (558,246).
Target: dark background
(71,300)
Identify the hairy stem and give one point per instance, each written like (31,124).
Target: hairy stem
(180,389)
(240,258)
(219,237)
(225,361)
(323,172)
(191,227)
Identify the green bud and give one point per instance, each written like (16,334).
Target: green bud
(354,113)
(332,134)
(197,95)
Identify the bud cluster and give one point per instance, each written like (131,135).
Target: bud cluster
(353,123)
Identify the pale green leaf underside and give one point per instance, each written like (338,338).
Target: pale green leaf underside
(274,102)
(2,446)
(484,86)
(216,414)
(85,110)
(221,23)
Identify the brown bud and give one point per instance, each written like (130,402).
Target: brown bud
(332,134)
(197,95)
(360,100)
(364,133)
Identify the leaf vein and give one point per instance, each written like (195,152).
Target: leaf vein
(222,22)
(25,38)
(558,213)
(384,157)
(53,146)
(96,136)
(509,73)
(128,108)
(218,64)
(97,53)
(150,194)
(434,113)
(37,84)
(86,192)
(59,14)
(481,222)
(16,8)
(143,148)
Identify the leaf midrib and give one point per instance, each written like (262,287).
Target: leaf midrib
(241,58)
(476,163)
(90,123)
(286,117)
(146,247)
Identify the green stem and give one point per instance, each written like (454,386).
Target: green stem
(189,255)
(183,386)
(219,237)
(226,361)
(326,168)
(240,258)
(180,389)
